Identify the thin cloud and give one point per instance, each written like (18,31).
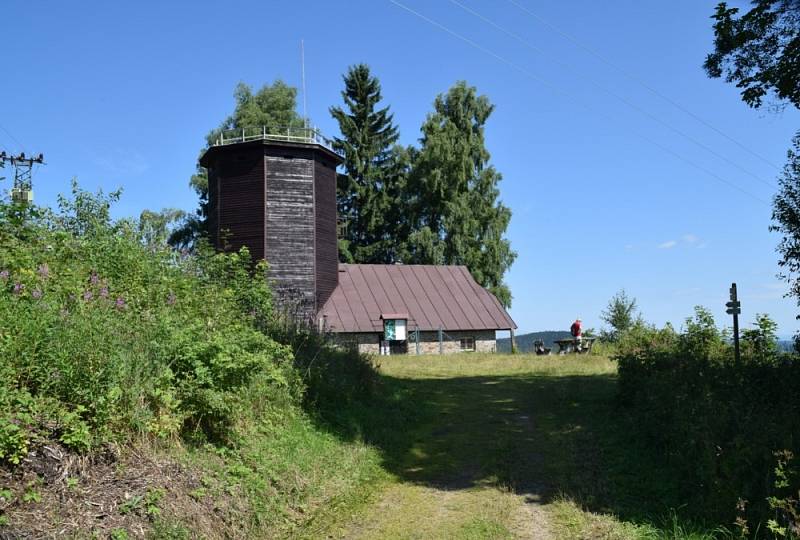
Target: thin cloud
(122,162)
(669,244)
(690,291)
(690,238)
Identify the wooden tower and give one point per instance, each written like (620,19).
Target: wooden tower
(278,198)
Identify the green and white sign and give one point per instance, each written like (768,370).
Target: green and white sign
(394,329)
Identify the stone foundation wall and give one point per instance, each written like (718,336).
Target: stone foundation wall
(429,342)
(368,343)
(365,343)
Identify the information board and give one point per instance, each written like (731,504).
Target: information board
(394,329)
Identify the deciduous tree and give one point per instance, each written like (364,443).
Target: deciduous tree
(456,215)
(273,108)
(786,218)
(620,315)
(758,51)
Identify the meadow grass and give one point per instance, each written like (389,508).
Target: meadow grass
(513,446)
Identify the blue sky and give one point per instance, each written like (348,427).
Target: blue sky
(602,192)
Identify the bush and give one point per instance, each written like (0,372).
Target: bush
(103,334)
(333,376)
(715,422)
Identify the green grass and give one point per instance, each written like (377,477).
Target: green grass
(293,478)
(501,446)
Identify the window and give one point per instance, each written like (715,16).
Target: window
(467,344)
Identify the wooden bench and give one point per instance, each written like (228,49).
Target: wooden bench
(569,345)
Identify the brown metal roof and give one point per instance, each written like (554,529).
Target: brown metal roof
(433,297)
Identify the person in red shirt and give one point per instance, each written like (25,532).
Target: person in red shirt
(575,330)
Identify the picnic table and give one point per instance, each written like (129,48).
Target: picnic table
(568,345)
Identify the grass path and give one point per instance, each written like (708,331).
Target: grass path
(511,447)
(472,467)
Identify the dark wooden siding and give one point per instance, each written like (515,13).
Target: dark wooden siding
(279,199)
(237,201)
(290,227)
(213,206)
(327,253)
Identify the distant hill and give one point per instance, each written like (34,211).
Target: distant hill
(525,341)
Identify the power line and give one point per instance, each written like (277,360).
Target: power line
(622,99)
(640,81)
(557,90)
(21,146)
(5,149)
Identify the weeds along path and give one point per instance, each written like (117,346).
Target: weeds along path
(471,465)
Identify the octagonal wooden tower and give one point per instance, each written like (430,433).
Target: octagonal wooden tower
(278,198)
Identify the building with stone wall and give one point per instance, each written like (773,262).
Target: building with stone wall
(274,191)
(428,309)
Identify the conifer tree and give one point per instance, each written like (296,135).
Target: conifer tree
(457,218)
(369,189)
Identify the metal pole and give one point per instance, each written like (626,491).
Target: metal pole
(303,78)
(416,336)
(441,343)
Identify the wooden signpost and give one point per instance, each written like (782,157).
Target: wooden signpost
(734,308)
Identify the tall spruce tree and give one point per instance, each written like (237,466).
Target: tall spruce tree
(273,107)
(368,191)
(457,218)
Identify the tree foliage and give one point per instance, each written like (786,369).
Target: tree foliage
(369,190)
(436,204)
(620,315)
(758,51)
(273,107)
(786,218)
(456,217)
(156,227)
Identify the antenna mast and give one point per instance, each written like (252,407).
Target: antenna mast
(303,76)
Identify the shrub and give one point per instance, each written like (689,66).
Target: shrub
(713,421)
(333,376)
(103,334)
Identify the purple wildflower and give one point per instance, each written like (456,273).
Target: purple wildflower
(94,279)
(37,294)
(43,271)
(18,288)
(4,275)
(104,292)
(120,303)
(171,299)
(88,295)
